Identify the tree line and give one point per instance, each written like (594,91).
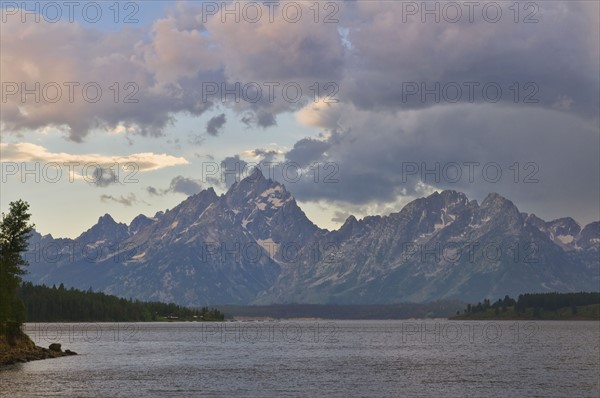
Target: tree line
(58,304)
(537,301)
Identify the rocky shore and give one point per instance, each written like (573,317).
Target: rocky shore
(19,348)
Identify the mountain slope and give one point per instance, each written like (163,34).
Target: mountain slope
(438,247)
(254,244)
(208,249)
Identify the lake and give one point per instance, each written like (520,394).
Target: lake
(412,358)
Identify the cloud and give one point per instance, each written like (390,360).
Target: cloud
(179,184)
(259,119)
(555,53)
(153,191)
(340,216)
(128,200)
(542,167)
(91,64)
(103,177)
(161,70)
(142,162)
(233,169)
(365,59)
(215,125)
(306,151)
(321,114)
(266,119)
(369,62)
(184,185)
(263,155)
(196,139)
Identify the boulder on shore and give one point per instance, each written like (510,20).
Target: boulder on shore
(55,347)
(19,348)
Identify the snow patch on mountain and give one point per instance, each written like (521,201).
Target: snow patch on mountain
(268,245)
(566,239)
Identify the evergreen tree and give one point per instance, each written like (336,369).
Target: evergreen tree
(14,232)
(45,304)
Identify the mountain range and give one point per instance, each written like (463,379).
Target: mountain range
(254,245)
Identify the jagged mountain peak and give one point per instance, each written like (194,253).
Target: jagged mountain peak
(351,220)
(495,204)
(255,183)
(139,222)
(563,231)
(105,230)
(201,199)
(206,194)
(533,218)
(593,227)
(437,208)
(590,236)
(494,199)
(106,219)
(448,199)
(566,224)
(371,260)
(349,224)
(449,194)
(257,191)
(139,218)
(188,211)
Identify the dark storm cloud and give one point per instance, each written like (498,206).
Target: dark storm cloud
(563,73)
(529,147)
(306,151)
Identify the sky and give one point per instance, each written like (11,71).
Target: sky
(357,107)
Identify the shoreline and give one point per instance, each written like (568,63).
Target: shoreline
(21,349)
(579,319)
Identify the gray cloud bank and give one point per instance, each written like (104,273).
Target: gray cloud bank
(544,123)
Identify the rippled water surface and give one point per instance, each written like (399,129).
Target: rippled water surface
(314,358)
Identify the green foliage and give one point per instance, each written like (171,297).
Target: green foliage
(541,301)
(51,304)
(554,301)
(14,232)
(580,305)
